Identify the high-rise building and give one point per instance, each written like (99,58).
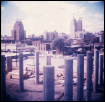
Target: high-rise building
(56,34)
(73,26)
(18,32)
(79,25)
(46,36)
(33,35)
(50,36)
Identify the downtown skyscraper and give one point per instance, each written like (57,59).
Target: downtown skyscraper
(18,32)
(75,26)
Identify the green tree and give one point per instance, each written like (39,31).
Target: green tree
(58,44)
(67,42)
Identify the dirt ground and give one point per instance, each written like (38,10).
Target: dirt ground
(34,92)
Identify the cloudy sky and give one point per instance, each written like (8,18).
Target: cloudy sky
(40,16)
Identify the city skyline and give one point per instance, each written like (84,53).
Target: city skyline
(39,16)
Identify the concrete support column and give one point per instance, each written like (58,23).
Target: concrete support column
(48,60)
(3,82)
(100,78)
(37,66)
(9,63)
(80,76)
(68,86)
(89,76)
(48,83)
(34,63)
(21,83)
(96,65)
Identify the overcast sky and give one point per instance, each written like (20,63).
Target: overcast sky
(40,16)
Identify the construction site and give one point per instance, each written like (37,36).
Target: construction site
(33,90)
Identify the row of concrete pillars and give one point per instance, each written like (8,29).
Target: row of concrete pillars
(48,76)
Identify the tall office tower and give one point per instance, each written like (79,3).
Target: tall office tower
(79,25)
(50,36)
(56,34)
(46,36)
(73,27)
(18,32)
